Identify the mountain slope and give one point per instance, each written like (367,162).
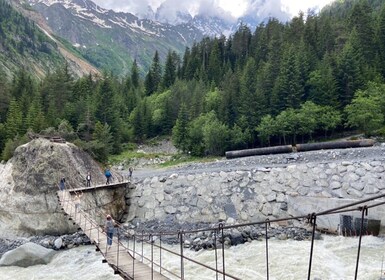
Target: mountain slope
(24,45)
(111,40)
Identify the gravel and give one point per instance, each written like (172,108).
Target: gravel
(267,161)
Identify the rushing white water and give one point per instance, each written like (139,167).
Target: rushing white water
(334,259)
(82,263)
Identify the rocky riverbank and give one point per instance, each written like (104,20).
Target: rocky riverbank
(196,240)
(67,241)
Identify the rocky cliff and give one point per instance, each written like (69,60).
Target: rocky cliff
(29,182)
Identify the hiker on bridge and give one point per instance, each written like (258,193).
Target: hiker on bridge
(108,175)
(130,170)
(77,201)
(88,180)
(62,184)
(109,229)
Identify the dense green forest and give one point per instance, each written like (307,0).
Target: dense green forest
(282,83)
(22,43)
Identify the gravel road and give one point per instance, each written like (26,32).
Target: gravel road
(267,161)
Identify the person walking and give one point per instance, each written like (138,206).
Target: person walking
(62,184)
(88,180)
(108,175)
(130,170)
(109,229)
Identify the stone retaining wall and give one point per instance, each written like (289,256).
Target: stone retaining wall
(248,196)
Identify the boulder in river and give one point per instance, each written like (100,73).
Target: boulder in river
(27,255)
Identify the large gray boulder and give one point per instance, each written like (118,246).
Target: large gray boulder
(29,184)
(27,255)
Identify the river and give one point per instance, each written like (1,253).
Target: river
(334,259)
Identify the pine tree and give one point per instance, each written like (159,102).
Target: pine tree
(35,118)
(348,75)
(154,75)
(381,39)
(180,130)
(241,44)
(135,74)
(169,70)
(5,96)
(229,106)
(248,88)
(288,91)
(14,121)
(102,141)
(362,21)
(323,84)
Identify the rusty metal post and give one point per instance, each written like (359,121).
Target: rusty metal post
(364,212)
(223,250)
(133,258)
(152,257)
(128,244)
(85,223)
(313,219)
(216,255)
(142,243)
(98,228)
(267,249)
(80,221)
(106,243)
(181,254)
(117,254)
(160,253)
(76,211)
(91,225)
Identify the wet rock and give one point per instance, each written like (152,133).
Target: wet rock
(27,255)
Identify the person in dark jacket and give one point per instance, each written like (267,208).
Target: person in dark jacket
(109,229)
(62,184)
(88,180)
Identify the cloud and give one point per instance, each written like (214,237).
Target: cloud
(141,7)
(264,9)
(170,10)
(211,8)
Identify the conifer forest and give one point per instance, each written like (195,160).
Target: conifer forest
(306,80)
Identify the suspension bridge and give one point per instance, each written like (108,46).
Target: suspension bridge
(128,259)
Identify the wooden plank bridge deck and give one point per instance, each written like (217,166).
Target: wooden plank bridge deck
(117,256)
(110,186)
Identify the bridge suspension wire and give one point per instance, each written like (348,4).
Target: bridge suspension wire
(155,240)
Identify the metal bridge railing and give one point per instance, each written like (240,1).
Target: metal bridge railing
(133,244)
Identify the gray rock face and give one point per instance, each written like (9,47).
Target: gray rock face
(27,255)
(29,183)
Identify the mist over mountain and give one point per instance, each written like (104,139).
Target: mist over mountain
(113,40)
(176,11)
(207,15)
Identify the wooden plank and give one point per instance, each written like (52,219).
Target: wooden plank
(110,186)
(99,238)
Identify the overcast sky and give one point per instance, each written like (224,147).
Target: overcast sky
(224,8)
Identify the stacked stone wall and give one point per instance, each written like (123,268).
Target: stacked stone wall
(249,196)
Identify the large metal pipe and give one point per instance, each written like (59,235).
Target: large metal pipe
(334,145)
(259,151)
